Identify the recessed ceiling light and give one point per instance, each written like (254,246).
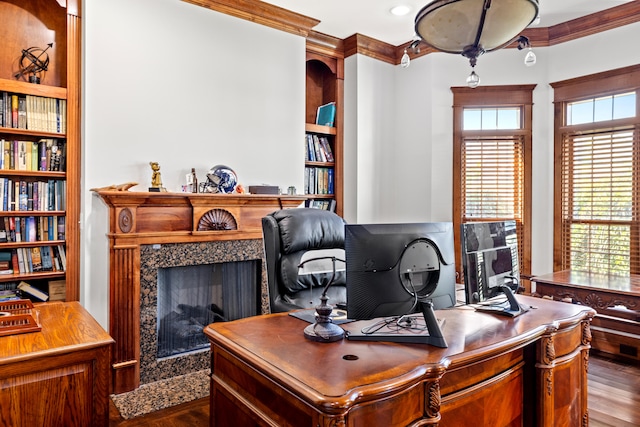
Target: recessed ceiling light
(400,10)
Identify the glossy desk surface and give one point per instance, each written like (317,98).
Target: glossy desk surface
(342,372)
(66,327)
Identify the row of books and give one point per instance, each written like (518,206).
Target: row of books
(327,205)
(56,290)
(43,155)
(318,149)
(33,113)
(33,260)
(32,229)
(21,195)
(318,180)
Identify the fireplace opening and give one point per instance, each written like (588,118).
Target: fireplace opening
(191,297)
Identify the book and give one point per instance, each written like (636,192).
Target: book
(36,259)
(32,292)
(326,114)
(9,294)
(47,261)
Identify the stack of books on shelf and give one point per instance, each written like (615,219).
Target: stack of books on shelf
(318,180)
(32,229)
(36,259)
(328,205)
(33,113)
(46,155)
(32,195)
(6,267)
(318,149)
(33,293)
(9,291)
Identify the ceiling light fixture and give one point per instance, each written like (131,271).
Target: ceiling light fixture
(530,58)
(473,27)
(406,60)
(400,10)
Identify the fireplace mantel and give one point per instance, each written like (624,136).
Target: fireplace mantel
(146,218)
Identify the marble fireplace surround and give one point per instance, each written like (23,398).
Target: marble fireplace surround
(209,227)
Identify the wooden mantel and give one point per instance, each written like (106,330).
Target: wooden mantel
(145,218)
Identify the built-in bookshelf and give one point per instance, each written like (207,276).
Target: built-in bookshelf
(323,144)
(40,149)
(319,171)
(32,185)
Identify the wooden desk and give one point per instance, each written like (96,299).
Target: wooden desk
(58,376)
(497,371)
(616,328)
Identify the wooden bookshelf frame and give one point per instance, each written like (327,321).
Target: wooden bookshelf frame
(63,81)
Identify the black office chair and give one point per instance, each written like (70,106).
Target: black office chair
(310,236)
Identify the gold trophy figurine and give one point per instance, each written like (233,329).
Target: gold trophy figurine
(156,178)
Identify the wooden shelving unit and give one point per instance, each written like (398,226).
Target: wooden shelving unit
(36,23)
(324,84)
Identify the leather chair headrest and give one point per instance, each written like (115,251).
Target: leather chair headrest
(305,228)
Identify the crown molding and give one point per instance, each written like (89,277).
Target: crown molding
(262,13)
(368,46)
(608,19)
(282,19)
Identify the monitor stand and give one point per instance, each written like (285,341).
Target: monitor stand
(511,307)
(433,335)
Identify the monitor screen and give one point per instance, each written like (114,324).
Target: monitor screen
(489,259)
(389,266)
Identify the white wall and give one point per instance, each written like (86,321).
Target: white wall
(187,87)
(422,128)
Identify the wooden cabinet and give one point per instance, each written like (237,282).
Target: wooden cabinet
(58,376)
(40,204)
(324,173)
(497,371)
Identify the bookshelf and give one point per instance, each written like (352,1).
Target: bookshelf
(323,144)
(40,148)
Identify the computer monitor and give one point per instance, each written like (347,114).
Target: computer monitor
(489,258)
(490,265)
(397,269)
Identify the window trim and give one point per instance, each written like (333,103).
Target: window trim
(494,96)
(620,80)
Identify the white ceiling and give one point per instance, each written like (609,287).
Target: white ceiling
(343,18)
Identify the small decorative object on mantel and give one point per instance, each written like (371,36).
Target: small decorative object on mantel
(221,179)
(156,178)
(34,62)
(116,187)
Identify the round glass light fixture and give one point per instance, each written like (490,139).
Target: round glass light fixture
(473,81)
(473,27)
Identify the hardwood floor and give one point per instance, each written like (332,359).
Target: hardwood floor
(614,393)
(614,401)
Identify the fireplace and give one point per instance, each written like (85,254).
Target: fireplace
(191,297)
(186,286)
(149,232)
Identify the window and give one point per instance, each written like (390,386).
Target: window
(596,227)
(492,151)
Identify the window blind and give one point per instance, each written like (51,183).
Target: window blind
(599,201)
(492,181)
(492,178)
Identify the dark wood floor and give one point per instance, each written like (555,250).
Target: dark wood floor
(614,401)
